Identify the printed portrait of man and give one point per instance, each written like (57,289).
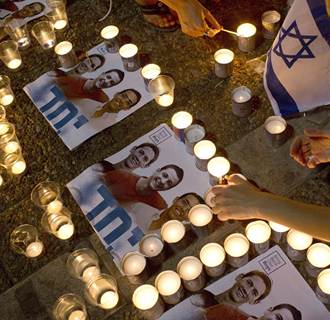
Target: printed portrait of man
(127,187)
(30,10)
(90,64)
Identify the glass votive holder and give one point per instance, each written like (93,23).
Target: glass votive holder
(44,33)
(58,223)
(204,150)
(246,34)
(54,3)
(47,196)
(180,121)
(66,54)
(6,93)
(13,162)
(217,167)
(162,89)
(110,36)
(297,245)
(70,307)
(237,248)
(17,31)
(9,54)
(192,135)
(241,99)
(8,139)
(83,264)
(270,23)
(323,286)
(25,240)
(213,257)
(149,72)
(258,232)
(129,56)
(101,291)
(58,16)
(223,63)
(2,114)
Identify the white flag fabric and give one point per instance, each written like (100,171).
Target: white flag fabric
(297,75)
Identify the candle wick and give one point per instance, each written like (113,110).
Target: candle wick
(229,31)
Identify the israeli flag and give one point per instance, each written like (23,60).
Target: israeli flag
(297,75)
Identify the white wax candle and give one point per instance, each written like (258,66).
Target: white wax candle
(299,240)
(205,149)
(258,231)
(246,30)
(212,255)
(236,245)
(60,24)
(145,297)
(150,71)
(90,272)
(271,17)
(200,215)
(109,299)
(128,50)
(218,167)
(109,32)
(194,134)
(181,120)
(278,227)
(189,268)
(172,231)
(275,125)
(133,263)
(165,100)
(318,255)
(3,129)
(168,282)
(11,147)
(14,63)
(18,167)
(323,281)
(1,180)
(224,56)
(65,232)
(241,96)
(34,249)
(63,48)
(77,315)
(151,245)
(6,99)
(55,206)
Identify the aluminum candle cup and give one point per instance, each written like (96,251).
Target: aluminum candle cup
(297,244)
(129,56)
(17,31)
(223,63)
(58,15)
(258,232)
(192,135)
(190,269)
(134,267)
(25,240)
(162,89)
(173,232)
(318,258)
(241,101)
(180,121)
(44,33)
(47,196)
(146,299)
(6,93)
(110,36)
(200,217)
(149,72)
(278,232)
(151,245)
(58,223)
(102,291)
(217,167)
(246,33)
(83,264)
(168,284)
(270,23)
(9,54)
(204,150)
(213,257)
(66,54)
(276,130)
(237,248)
(70,307)
(323,286)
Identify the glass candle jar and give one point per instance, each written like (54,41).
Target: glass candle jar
(2,114)
(70,307)
(13,161)
(17,31)
(44,33)
(6,93)
(57,15)
(9,54)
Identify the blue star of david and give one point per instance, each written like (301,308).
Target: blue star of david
(305,40)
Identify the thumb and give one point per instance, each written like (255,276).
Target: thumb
(236,178)
(315,133)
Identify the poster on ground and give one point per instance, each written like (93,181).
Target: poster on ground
(96,94)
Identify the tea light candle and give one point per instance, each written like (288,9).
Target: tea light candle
(15,163)
(17,30)
(241,101)
(90,273)
(192,135)
(58,15)
(66,55)
(217,167)
(258,232)
(34,249)
(180,121)
(213,256)
(165,100)
(151,245)
(129,56)
(275,128)
(162,89)
(323,286)
(146,299)
(9,54)
(134,267)
(109,299)
(66,231)
(278,231)
(77,315)
(110,36)
(149,72)
(318,258)
(70,307)
(11,147)
(204,150)
(200,217)
(6,98)
(298,242)
(190,269)
(168,284)
(223,63)
(237,248)
(246,33)
(55,206)
(270,23)
(173,232)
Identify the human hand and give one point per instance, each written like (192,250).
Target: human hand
(312,148)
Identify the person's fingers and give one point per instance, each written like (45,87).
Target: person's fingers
(295,146)
(306,148)
(312,162)
(230,213)
(219,189)
(236,179)
(211,21)
(192,32)
(315,133)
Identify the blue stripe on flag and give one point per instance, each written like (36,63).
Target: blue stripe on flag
(319,12)
(285,102)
